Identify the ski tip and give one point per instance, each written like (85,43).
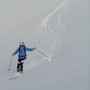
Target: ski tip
(16,76)
(12,78)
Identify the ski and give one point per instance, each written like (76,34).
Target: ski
(18,74)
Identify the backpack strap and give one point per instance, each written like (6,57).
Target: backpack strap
(25,51)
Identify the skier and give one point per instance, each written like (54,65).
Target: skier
(22,55)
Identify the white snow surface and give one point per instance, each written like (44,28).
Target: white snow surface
(59,29)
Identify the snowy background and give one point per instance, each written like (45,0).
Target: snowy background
(64,36)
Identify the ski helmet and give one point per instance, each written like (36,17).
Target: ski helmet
(21,43)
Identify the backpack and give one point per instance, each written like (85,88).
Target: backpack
(24,51)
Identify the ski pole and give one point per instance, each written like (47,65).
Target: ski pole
(10,64)
(42,53)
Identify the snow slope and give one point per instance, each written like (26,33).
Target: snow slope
(61,32)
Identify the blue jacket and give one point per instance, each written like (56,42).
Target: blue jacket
(22,51)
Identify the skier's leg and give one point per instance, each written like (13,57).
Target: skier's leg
(18,67)
(21,66)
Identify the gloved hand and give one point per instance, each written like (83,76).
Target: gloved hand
(34,48)
(12,54)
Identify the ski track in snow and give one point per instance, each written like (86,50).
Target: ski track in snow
(35,64)
(45,24)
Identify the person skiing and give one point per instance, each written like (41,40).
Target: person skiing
(22,55)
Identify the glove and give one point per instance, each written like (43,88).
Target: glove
(12,54)
(34,48)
